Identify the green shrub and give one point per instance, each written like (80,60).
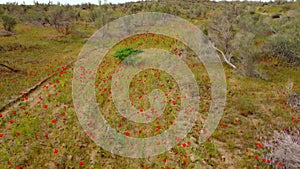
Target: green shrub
(127,52)
(8,22)
(285,47)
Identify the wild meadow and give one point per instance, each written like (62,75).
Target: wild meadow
(258,44)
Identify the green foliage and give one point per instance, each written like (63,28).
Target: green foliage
(8,22)
(127,52)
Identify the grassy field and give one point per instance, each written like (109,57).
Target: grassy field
(42,130)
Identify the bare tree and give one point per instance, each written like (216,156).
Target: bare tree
(221,32)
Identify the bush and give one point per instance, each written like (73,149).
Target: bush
(101,16)
(62,18)
(285,148)
(285,47)
(124,53)
(35,15)
(8,22)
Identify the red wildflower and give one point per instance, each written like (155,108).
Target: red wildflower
(1,135)
(127,133)
(259,145)
(81,163)
(55,151)
(54,121)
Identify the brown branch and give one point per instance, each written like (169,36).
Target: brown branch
(9,68)
(30,90)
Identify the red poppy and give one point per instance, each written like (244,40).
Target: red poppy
(55,151)
(158,128)
(81,163)
(54,121)
(259,145)
(127,133)
(1,135)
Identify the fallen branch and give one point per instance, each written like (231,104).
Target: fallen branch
(224,57)
(9,68)
(31,89)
